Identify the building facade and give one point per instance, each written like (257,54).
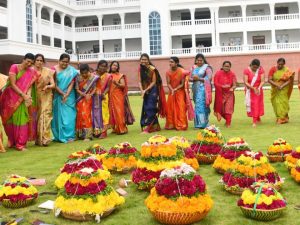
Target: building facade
(122,29)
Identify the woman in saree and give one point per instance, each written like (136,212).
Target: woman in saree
(202,92)
(225,83)
(85,86)
(64,102)
(176,104)
(154,100)
(45,84)
(3,80)
(281,79)
(119,108)
(101,100)
(17,104)
(254,79)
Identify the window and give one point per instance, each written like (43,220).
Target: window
(258,12)
(29,21)
(116,21)
(234,13)
(3,32)
(3,3)
(155,33)
(281,10)
(117,48)
(57,42)
(282,38)
(185,16)
(259,40)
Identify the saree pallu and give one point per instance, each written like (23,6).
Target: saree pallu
(84,119)
(202,96)
(64,114)
(256,109)
(176,103)
(280,98)
(118,112)
(224,98)
(3,80)
(16,117)
(45,99)
(149,116)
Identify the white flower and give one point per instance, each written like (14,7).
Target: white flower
(184,169)
(88,170)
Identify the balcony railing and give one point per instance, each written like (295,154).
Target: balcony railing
(181,51)
(45,22)
(181,23)
(111,27)
(237,48)
(133,54)
(231,20)
(287,17)
(84,3)
(261,47)
(112,55)
(132,26)
(202,21)
(258,18)
(293,45)
(91,56)
(86,29)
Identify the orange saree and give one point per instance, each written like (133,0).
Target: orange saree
(176,104)
(116,104)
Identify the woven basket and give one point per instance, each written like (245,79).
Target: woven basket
(84,217)
(234,190)
(220,171)
(123,171)
(178,218)
(19,204)
(276,158)
(206,159)
(264,215)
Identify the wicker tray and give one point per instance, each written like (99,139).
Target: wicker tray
(206,159)
(178,218)
(19,204)
(264,215)
(276,158)
(84,217)
(234,190)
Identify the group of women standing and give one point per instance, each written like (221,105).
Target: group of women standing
(81,105)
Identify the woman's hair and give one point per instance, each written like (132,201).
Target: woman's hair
(226,62)
(64,56)
(29,56)
(281,60)
(112,64)
(39,55)
(84,68)
(102,62)
(255,62)
(176,60)
(199,55)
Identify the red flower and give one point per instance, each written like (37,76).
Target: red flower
(144,175)
(78,189)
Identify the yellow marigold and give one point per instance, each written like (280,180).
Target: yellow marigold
(193,162)
(249,197)
(102,175)
(119,164)
(295,174)
(201,203)
(88,206)
(224,164)
(61,180)
(158,166)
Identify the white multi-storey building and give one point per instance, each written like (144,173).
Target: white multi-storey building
(116,29)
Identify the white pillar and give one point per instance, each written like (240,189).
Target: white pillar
(100,18)
(213,27)
(122,15)
(273,34)
(245,36)
(51,12)
(39,19)
(192,11)
(34,23)
(73,19)
(62,20)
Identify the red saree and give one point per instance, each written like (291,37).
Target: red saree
(117,104)
(224,98)
(176,103)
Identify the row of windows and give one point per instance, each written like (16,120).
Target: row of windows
(155,33)
(29,21)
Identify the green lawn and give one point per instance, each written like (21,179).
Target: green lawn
(46,162)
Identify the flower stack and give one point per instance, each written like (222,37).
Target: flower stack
(121,158)
(278,151)
(261,201)
(292,158)
(98,151)
(208,144)
(17,192)
(295,172)
(87,196)
(179,197)
(157,154)
(184,145)
(76,163)
(249,168)
(230,152)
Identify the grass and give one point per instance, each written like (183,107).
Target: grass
(45,163)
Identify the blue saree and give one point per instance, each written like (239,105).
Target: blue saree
(64,114)
(200,96)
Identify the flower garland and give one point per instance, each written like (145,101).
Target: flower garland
(17,188)
(249,168)
(157,154)
(280,147)
(295,172)
(87,192)
(98,151)
(233,149)
(291,159)
(179,190)
(261,196)
(189,155)
(121,157)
